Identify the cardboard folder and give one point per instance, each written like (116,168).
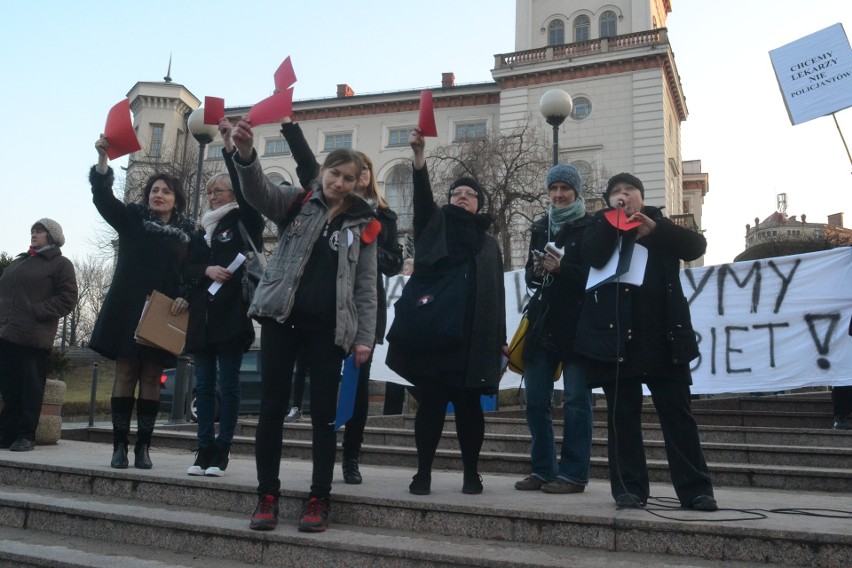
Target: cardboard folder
(159,328)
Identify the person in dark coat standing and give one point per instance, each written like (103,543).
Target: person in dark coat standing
(220,330)
(388,263)
(553,311)
(37,289)
(450,241)
(153,239)
(642,334)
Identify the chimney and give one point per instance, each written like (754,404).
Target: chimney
(448,80)
(836,220)
(344,90)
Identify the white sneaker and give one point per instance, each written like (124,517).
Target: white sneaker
(203,457)
(294,415)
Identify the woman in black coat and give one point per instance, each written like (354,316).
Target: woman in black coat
(389,263)
(220,330)
(452,246)
(633,335)
(153,239)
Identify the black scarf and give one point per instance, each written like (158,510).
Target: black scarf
(178,227)
(465,232)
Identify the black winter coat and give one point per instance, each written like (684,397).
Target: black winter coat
(646,328)
(150,257)
(222,317)
(554,313)
(438,232)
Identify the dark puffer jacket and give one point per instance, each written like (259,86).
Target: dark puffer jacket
(35,292)
(647,329)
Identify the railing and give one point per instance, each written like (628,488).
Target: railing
(569,50)
(686,221)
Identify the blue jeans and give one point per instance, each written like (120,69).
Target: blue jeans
(573,465)
(230,358)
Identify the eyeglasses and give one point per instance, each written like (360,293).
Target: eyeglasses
(464,193)
(217,192)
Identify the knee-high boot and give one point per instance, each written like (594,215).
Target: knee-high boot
(146,417)
(122,409)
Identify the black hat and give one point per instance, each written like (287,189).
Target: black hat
(474,185)
(626,178)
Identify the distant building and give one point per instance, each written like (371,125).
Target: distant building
(781,235)
(612,56)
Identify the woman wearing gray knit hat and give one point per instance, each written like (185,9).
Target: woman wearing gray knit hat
(37,289)
(559,283)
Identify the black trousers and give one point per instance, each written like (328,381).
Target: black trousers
(279,347)
(353,433)
(628,470)
(22,378)
(429,424)
(841,399)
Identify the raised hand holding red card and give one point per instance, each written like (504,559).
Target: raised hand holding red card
(119,131)
(214,110)
(426,120)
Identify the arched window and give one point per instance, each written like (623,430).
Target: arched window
(399,189)
(276,178)
(608,26)
(582,108)
(585,170)
(556,32)
(582,24)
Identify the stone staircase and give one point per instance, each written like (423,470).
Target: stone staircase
(784,493)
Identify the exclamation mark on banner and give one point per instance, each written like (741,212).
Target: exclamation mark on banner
(822,345)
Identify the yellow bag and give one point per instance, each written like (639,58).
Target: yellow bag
(516,350)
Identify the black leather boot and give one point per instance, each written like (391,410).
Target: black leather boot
(146,418)
(122,408)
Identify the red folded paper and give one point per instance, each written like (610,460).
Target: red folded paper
(214,110)
(618,219)
(284,75)
(272,109)
(119,131)
(426,120)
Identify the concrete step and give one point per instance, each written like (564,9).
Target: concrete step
(816,469)
(379,523)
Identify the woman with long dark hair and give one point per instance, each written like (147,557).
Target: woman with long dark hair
(153,239)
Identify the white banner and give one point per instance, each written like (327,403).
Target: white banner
(814,74)
(763,326)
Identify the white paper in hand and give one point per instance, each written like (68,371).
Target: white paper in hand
(235,264)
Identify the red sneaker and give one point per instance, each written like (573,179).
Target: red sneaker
(315,515)
(265,517)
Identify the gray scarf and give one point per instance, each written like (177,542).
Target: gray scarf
(558,218)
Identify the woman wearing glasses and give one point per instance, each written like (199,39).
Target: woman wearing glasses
(219,330)
(456,357)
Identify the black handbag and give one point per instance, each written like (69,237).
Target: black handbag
(430,312)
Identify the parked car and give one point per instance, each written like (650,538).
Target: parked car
(249,388)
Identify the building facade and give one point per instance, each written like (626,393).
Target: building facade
(613,58)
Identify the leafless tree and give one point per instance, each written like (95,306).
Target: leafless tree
(94,275)
(511,165)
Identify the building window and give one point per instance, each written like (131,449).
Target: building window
(556,32)
(399,189)
(335,141)
(607,22)
(470,131)
(582,25)
(214,151)
(398,136)
(582,108)
(585,171)
(277,146)
(156,140)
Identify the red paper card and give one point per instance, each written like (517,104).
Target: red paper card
(272,109)
(426,120)
(618,219)
(119,131)
(284,75)
(214,110)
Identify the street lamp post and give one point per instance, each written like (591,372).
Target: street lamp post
(203,134)
(556,106)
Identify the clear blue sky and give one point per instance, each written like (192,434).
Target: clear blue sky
(66,63)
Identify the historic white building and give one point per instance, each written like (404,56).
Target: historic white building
(612,57)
